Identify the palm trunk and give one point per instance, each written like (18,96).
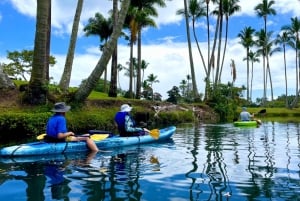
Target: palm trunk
(86,88)
(66,76)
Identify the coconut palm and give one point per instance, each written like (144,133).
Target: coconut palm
(36,93)
(229,8)
(102,27)
(113,89)
(284,39)
(151,79)
(66,76)
(294,30)
(145,11)
(86,88)
(252,57)
(246,37)
(195,10)
(195,90)
(264,9)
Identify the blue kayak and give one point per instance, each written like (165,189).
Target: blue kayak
(42,147)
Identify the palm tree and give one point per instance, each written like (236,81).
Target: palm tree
(144,65)
(195,90)
(229,8)
(195,11)
(86,88)
(103,28)
(264,9)
(66,76)
(246,36)
(294,30)
(151,80)
(252,57)
(260,43)
(113,89)
(145,10)
(283,39)
(36,93)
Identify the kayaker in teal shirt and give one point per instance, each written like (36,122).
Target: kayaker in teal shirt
(245,115)
(56,128)
(126,124)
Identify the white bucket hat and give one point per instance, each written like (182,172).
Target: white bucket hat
(126,108)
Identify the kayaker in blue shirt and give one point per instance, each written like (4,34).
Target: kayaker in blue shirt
(57,128)
(126,124)
(245,115)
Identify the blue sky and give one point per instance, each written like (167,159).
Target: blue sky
(164,47)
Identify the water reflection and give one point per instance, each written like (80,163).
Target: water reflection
(202,162)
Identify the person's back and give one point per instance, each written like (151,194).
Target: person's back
(244,115)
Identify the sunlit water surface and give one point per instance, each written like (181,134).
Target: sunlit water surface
(203,162)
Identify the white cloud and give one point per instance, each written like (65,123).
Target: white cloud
(167,59)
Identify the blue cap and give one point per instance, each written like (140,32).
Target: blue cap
(244,108)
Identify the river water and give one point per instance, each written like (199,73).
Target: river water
(203,162)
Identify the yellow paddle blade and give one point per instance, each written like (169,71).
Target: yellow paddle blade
(154,133)
(95,137)
(41,136)
(99,137)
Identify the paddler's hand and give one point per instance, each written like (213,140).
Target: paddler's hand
(70,134)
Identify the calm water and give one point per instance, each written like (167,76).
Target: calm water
(206,162)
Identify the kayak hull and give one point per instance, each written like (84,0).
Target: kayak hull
(44,148)
(245,123)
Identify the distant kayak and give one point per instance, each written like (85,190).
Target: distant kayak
(43,148)
(246,123)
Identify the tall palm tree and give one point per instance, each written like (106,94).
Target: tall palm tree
(86,88)
(252,57)
(229,8)
(246,37)
(260,43)
(146,10)
(102,27)
(294,30)
(66,76)
(263,10)
(195,90)
(36,93)
(113,89)
(195,10)
(284,39)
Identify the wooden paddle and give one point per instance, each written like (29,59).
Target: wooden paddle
(154,133)
(95,137)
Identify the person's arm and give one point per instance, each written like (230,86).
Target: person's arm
(62,129)
(129,125)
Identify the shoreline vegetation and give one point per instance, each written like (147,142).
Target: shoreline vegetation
(23,122)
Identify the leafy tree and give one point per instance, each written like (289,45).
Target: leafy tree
(174,95)
(21,64)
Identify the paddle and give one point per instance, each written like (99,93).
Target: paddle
(95,137)
(263,111)
(154,133)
